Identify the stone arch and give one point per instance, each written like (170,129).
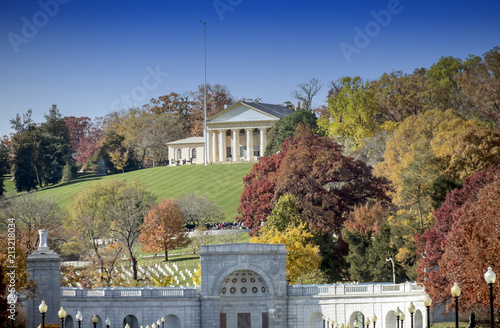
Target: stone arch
(69,322)
(131,320)
(172,321)
(315,320)
(418,320)
(357,316)
(135,312)
(390,319)
(222,275)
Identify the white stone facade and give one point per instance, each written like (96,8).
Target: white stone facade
(244,285)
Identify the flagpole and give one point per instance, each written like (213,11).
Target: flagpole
(205,90)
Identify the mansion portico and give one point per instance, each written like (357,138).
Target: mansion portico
(238,133)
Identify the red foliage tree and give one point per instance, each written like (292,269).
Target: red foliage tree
(432,244)
(256,199)
(473,244)
(85,136)
(326,184)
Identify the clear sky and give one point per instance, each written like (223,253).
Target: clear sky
(93,56)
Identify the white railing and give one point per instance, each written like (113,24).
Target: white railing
(353,289)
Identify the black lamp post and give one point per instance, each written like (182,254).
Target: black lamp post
(162,322)
(427,304)
(490,278)
(455,292)
(107,322)
(411,309)
(367,322)
(402,317)
(95,320)
(79,318)
(43,309)
(62,315)
(397,316)
(374,320)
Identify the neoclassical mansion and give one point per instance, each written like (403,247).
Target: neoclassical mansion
(236,134)
(242,286)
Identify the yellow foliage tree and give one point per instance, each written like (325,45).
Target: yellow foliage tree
(197,276)
(303,256)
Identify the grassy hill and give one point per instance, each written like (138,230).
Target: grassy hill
(221,183)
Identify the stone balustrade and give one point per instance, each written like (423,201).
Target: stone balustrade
(68,293)
(346,289)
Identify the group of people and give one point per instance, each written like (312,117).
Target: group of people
(175,162)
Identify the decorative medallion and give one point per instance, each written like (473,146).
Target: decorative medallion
(263,289)
(252,279)
(223,290)
(233,290)
(260,279)
(234,280)
(255,290)
(243,290)
(243,280)
(273,268)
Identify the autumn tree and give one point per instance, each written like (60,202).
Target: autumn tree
(127,212)
(31,213)
(432,244)
(326,186)
(258,193)
(101,272)
(163,228)
(285,128)
(302,255)
(442,89)
(472,245)
(285,214)
(480,83)
(466,148)
(111,210)
(84,135)
(401,95)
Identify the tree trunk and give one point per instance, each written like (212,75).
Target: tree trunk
(166,255)
(134,265)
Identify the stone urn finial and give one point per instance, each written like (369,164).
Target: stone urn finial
(43,239)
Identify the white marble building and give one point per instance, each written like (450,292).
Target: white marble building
(242,286)
(236,134)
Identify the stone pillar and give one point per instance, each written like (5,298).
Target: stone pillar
(262,141)
(44,267)
(235,149)
(222,145)
(208,148)
(214,147)
(249,144)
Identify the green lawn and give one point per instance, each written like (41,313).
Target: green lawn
(221,183)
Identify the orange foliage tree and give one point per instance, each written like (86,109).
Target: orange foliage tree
(163,228)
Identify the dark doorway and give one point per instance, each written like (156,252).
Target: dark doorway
(244,320)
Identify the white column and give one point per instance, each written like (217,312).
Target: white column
(222,137)
(235,149)
(262,141)
(214,147)
(249,144)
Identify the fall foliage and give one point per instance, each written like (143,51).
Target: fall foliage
(163,228)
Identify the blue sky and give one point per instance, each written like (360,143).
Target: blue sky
(91,57)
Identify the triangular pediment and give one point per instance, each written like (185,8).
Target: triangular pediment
(241,112)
